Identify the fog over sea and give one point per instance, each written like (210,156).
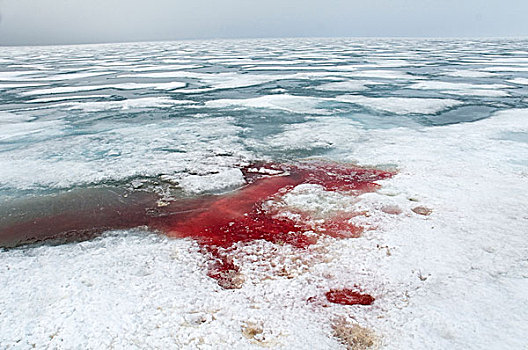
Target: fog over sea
(180,119)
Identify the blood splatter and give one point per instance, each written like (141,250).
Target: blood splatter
(348,297)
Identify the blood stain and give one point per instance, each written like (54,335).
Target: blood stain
(348,297)
(222,221)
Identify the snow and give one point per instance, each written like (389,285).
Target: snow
(298,136)
(64,98)
(5,86)
(216,80)
(165,74)
(144,102)
(464,89)
(121,151)
(352,85)
(16,75)
(8,118)
(471,248)
(24,127)
(123,86)
(505,69)
(521,81)
(220,181)
(70,76)
(444,85)
(469,254)
(384,74)
(477,92)
(289,103)
(168,67)
(213,80)
(162,280)
(469,74)
(401,105)
(329,68)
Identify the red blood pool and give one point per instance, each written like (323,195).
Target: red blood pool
(222,221)
(239,217)
(348,297)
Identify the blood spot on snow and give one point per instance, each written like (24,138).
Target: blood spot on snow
(391,209)
(422,211)
(348,297)
(225,272)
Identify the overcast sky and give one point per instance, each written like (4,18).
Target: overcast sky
(88,21)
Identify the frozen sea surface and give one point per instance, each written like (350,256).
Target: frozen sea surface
(450,115)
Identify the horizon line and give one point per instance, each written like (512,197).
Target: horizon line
(396,37)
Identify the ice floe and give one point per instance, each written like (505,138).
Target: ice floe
(351,85)
(144,102)
(384,74)
(289,103)
(521,81)
(119,86)
(469,74)
(401,105)
(464,89)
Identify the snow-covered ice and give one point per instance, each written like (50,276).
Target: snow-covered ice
(401,105)
(444,247)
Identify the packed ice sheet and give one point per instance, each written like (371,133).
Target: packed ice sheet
(444,250)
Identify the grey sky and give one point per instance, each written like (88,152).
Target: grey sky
(88,21)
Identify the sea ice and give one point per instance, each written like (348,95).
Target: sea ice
(289,103)
(401,105)
(122,86)
(144,102)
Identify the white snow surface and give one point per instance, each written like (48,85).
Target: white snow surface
(63,98)
(469,74)
(522,81)
(351,85)
(401,105)
(444,85)
(465,89)
(18,85)
(221,180)
(123,86)
(127,150)
(289,103)
(134,103)
(383,74)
